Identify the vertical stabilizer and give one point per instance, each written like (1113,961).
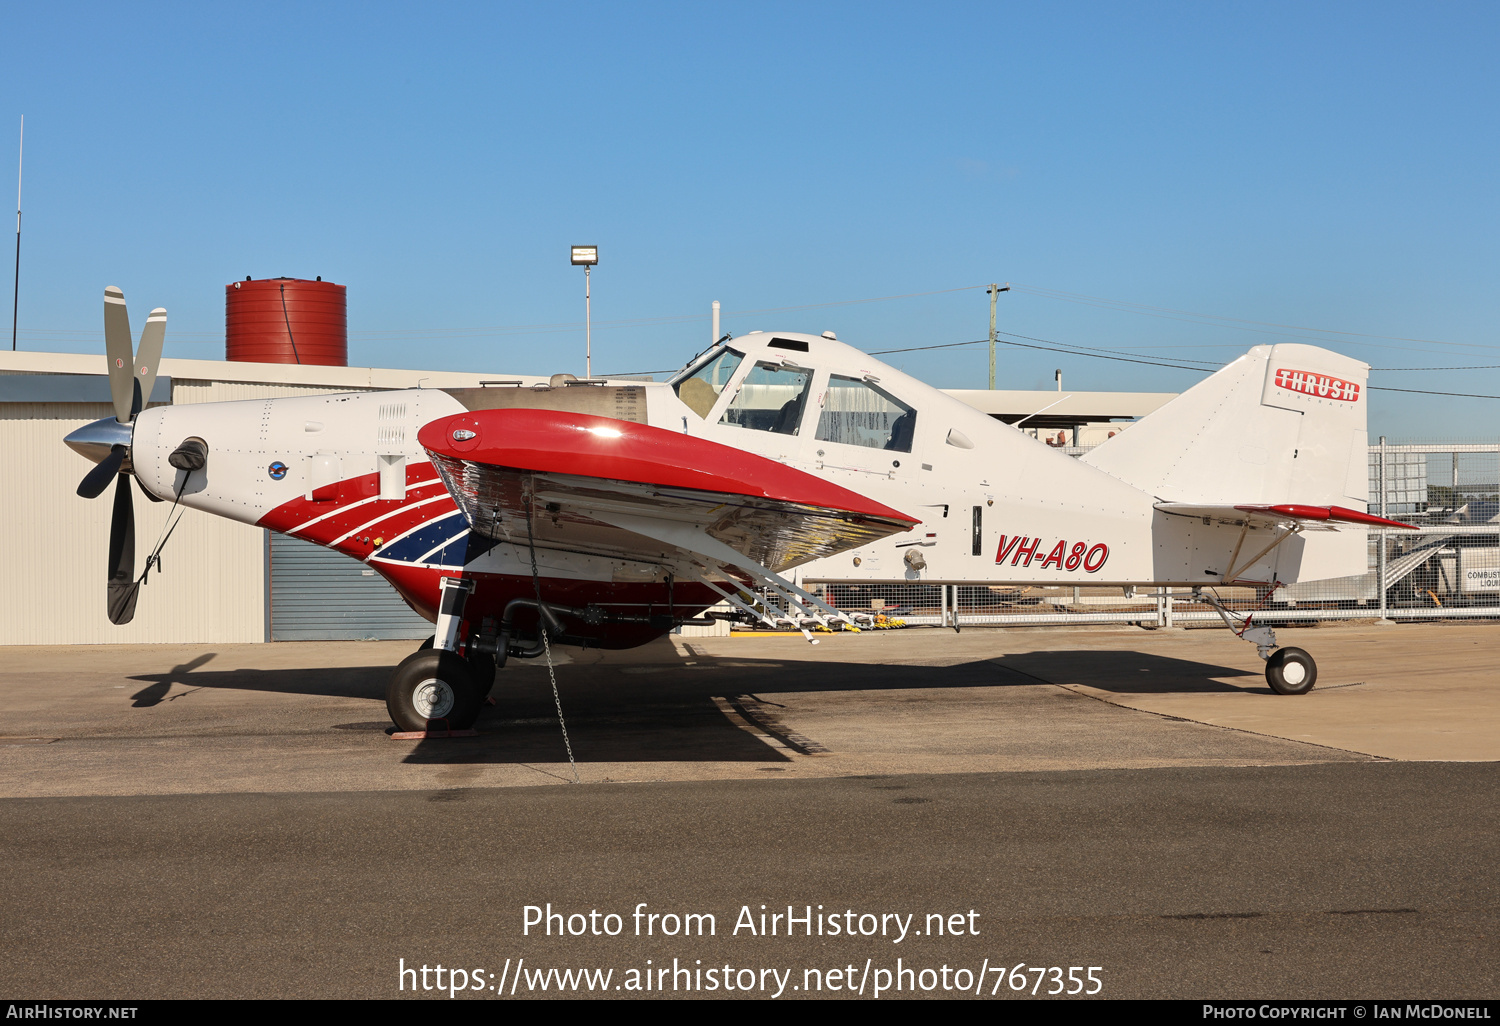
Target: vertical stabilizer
(1283,423)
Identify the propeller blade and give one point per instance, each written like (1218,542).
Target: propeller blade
(153,498)
(118,347)
(96,480)
(148,357)
(123,586)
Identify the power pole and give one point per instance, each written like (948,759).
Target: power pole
(994,291)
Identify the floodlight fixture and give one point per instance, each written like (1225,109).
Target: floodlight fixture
(585,255)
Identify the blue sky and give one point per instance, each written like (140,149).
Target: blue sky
(1322,165)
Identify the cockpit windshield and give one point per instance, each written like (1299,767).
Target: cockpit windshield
(700,389)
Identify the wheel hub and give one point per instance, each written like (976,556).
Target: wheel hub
(1293,672)
(432,699)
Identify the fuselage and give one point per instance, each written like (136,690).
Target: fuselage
(995,506)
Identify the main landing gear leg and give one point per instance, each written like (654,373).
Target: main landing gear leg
(435,689)
(1289,671)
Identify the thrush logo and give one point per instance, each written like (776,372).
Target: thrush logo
(1324,386)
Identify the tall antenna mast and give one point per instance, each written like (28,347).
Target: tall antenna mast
(15,304)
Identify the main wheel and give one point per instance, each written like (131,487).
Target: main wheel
(1291,671)
(481,665)
(433,690)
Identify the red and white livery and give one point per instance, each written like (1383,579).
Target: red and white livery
(606,512)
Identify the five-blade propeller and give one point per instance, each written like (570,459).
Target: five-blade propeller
(131,378)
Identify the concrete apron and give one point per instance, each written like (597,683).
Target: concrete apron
(166,719)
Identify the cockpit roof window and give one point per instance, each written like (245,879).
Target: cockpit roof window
(787,343)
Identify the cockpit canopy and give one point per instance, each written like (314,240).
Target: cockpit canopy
(773,392)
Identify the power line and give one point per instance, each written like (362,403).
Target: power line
(1419,391)
(1148,310)
(1052,348)
(1104,355)
(1124,306)
(1489,366)
(388,334)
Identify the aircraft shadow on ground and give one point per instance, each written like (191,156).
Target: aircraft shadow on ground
(1131,673)
(333,682)
(671,710)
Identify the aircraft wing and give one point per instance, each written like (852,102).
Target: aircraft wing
(643,494)
(1327,518)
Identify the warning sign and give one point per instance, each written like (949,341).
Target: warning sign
(1481,578)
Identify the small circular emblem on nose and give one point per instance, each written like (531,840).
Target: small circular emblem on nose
(462,435)
(277,470)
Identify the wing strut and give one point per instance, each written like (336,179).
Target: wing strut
(1234,572)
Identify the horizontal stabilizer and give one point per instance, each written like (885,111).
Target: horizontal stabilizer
(1328,516)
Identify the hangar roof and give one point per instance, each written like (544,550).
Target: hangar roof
(1041,409)
(1062,409)
(259,373)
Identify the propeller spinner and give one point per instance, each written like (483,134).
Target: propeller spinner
(107,442)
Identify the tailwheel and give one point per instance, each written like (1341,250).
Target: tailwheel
(1291,671)
(433,690)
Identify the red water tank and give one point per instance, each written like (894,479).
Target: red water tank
(286,320)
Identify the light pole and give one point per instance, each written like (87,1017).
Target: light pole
(587,256)
(994,291)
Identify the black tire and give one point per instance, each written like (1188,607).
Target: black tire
(481,665)
(1291,671)
(433,691)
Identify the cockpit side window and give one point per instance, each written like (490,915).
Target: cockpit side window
(701,389)
(855,412)
(771,398)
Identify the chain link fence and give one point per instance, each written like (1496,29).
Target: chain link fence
(1448,568)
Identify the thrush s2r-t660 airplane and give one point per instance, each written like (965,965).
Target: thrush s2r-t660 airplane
(604,514)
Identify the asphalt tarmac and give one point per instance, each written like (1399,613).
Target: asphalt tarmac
(240,826)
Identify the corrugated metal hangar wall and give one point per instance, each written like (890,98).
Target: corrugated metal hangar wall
(318,594)
(212,587)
